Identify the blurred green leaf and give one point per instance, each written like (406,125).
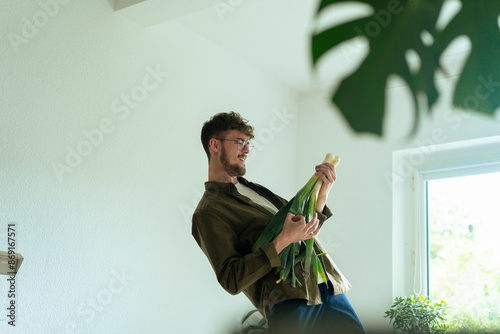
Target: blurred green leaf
(392,30)
(478,88)
(248,315)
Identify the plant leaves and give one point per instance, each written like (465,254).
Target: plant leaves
(248,315)
(262,323)
(478,87)
(274,227)
(416,314)
(394,28)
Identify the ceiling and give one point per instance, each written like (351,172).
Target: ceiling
(272,36)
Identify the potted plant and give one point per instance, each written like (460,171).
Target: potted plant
(415,314)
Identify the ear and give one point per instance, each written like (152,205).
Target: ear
(214,145)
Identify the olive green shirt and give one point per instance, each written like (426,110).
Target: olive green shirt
(226,225)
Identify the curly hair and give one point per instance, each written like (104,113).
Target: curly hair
(220,124)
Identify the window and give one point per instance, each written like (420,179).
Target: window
(446,227)
(463,249)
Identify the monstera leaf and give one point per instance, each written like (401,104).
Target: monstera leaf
(394,28)
(479,85)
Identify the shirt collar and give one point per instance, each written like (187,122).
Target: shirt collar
(224,187)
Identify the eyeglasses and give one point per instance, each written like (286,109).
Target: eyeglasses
(241,143)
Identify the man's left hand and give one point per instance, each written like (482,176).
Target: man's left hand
(327,174)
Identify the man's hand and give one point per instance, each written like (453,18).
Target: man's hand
(295,229)
(327,174)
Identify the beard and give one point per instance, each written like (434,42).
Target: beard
(232,169)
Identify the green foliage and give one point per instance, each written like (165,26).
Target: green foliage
(468,322)
(259,327)
(396,27)
(414,315)
(298,205)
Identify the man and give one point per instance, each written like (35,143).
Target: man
(231,216)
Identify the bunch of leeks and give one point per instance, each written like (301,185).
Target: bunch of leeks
(303,204)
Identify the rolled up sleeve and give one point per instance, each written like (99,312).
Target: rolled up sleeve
(323,216)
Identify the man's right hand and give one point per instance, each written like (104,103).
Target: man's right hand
(296,229)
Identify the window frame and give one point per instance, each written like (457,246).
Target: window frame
(411,169)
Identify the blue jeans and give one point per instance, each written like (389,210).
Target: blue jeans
(334,315)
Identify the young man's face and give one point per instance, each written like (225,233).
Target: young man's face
(233,158)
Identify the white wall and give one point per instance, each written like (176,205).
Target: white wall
(108,246)
(359,236)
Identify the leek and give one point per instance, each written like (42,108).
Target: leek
(303,204)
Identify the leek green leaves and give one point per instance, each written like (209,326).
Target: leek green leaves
(302,204)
